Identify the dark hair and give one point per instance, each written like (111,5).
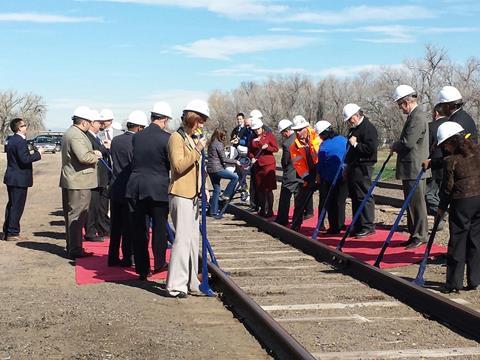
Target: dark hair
(440,110)
(328,133)
(189,118)
(465,147)
(241,114)
(14,124)
(78,120)
(155,116)
(220,134)
(131,125)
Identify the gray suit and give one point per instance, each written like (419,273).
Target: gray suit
(102,136)
(412,149)
(78,176)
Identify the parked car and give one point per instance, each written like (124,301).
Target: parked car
(55,137)
(46,143)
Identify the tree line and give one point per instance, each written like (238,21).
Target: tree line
(28,106)
(286,96)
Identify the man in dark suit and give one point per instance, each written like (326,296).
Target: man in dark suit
(121,151)
(451,102)
(359,160)
(412,149)
(18,178)
(98,222)
(147,191)
(290,182)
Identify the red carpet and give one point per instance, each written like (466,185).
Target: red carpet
(94,269)
(367,249)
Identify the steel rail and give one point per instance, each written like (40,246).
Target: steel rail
(455,316)
(269,332)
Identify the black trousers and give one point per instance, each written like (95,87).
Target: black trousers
(17,196)
(464,244)
(252,190)
(432,198)
(336,203)
(301,202)
(98,222)
(143,210)
(359,179)
(120,231)
(286,193)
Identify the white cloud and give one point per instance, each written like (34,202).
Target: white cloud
(348,71)
(230,8)
(224,48)
(46,18)
(251,70)
(362,14)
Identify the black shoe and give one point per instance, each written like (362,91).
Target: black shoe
(408,242)
(143,277)
(307,216)
(83,254)
(364,233)
(413,245)
(180,295)
(160,269)
(449,290)
(126,263)
(281,223)
(114,262)
(94,238)
(333,231)
(470,287)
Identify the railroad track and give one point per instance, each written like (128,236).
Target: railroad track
(303,300)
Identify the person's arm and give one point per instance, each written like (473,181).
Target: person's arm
(24,155)
(368,145)
(82,152)
(286,158)
(272,143)
(446,189)
(178,160)
(412,134)
(221,155)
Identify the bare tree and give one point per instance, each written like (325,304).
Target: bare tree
(28,106)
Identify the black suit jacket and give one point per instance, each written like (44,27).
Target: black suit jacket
(19,163)
(365,153)
(150,175)
(103,174)
(464,119)
(290,180)
(121,151)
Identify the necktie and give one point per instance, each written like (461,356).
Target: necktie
(107,133)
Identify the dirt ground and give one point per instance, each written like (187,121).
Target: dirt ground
(45,315)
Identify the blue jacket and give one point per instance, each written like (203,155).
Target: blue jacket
(19,163)
(330,156)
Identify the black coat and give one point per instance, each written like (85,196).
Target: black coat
(103,174)
(464,119)
(150,175)
(290,180)
(121,151)
(365,153)
(19,163)
(436,155)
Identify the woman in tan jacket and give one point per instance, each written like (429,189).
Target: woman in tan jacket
(184,191)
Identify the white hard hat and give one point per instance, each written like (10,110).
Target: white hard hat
(106,114)
(448,129)
(448,94)
(321,126)
(349,110)
(284,124)
(82,112)
(255,113)
(94,115)
(403,90)
(138,117)
(116,125)
(198,106)
(299,123)
(162,108)
(257,123)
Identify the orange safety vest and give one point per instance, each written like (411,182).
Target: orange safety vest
(299,156)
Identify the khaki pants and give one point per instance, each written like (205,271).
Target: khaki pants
(183,266)
(75,210)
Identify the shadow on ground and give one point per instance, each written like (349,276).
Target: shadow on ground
(45,247)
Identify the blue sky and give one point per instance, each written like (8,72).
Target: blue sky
(127,54)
